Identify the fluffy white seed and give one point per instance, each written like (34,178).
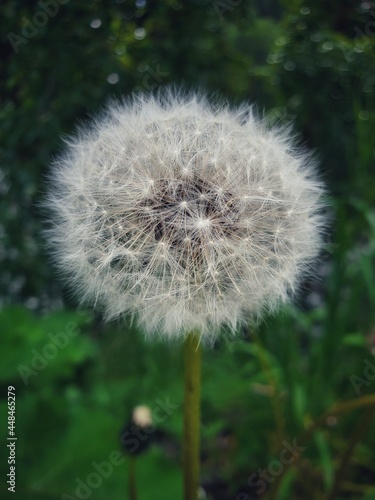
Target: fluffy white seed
(184,215)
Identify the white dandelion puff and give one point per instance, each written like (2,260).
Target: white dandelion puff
(183,215)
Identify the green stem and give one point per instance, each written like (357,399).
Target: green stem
(192,363)
(132,485)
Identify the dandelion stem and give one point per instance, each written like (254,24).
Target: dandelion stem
(192,363)
(132,485)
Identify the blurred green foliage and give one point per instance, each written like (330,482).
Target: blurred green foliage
(306,375)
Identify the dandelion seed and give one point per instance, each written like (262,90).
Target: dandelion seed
(186,216)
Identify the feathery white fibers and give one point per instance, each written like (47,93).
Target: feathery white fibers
(184,215)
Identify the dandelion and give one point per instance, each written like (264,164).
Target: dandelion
(187,217)
(140,429)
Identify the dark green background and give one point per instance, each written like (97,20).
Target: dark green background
(308,62)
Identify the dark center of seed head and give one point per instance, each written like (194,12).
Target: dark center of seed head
(182,211)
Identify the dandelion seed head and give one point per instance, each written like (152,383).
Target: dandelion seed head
(184,215)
